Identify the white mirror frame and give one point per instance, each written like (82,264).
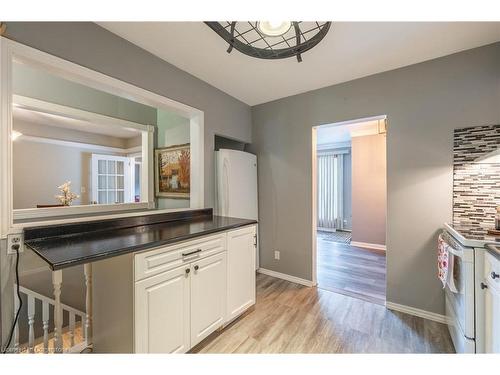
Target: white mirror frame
(11,51)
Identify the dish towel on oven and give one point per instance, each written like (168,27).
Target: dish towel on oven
(443,263)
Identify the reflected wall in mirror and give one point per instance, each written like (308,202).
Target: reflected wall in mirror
(64,131)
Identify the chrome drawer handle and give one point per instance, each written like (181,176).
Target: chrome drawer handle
(191,253)
(494,275)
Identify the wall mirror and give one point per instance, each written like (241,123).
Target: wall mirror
(75,146)
(80,143)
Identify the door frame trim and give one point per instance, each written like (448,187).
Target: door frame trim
(314,187)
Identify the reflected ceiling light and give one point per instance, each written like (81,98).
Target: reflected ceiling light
(15,134)
(274,28)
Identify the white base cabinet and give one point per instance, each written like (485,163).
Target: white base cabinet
(491,288)
(208,296)
(162,305)
(492,321)
(241,247)
(185,292)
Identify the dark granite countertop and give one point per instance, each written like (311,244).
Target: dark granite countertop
(68,247)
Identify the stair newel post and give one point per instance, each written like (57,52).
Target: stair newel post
(88,303)
(58,313)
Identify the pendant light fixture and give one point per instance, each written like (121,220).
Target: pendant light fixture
(271,39)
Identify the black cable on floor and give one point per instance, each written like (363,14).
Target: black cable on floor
(20,303)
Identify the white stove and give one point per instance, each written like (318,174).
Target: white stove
(464,300)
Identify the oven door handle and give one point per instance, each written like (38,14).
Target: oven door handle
(455,252)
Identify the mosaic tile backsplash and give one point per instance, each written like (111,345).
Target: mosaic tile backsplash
(476,186)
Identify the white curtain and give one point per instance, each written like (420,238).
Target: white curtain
(330,194)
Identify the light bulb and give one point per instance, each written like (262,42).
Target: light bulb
(274,28)
(275,24)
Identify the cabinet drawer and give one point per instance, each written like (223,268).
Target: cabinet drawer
(153,262)
(492,270)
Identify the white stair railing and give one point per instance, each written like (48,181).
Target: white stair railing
(47,302)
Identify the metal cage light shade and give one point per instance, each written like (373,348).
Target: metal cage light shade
(248,38)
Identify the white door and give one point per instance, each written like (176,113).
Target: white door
(208,296)
(240,271)
(111,182)
(162,312)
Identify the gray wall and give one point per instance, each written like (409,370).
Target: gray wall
(424,103)
(93,47)
(369,189)
(40,168)
(35,83)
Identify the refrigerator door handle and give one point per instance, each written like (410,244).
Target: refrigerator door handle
(225,179)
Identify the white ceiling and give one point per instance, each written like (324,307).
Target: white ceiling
(350,50)
(49,119)
(335,134)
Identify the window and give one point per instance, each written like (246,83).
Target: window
(330,190)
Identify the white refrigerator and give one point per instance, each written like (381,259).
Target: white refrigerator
(236,185)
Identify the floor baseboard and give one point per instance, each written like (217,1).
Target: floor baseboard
(416,312)
(368,245)
(286,277)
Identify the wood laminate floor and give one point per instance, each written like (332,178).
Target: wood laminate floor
(290,318)
(351,270)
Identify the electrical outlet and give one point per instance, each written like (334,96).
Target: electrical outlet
(277,255)
(13,240)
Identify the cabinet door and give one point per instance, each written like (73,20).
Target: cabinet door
(162,312)
(240,271)
(492,319)
(208,296)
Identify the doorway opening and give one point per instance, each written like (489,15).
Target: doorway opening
(350,208)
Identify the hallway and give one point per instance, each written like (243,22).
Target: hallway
(350,270)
